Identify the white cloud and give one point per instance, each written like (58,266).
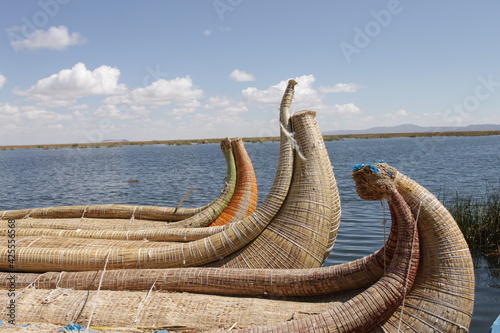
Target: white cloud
(217,102)
(398,114)
(207,32)
(65,87)
(39,115)
(13,113)
(2,81)
(305,95)
(341,88)
(55,38)
(225,106)
(232,110)
(78,107)
(114,112)
(345,109)
(161,92)
(185,108)
(80,115)
(241,76)
(7,109)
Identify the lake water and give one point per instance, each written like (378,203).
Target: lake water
(445,165)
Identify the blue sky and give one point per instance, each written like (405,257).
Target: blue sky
(83,71)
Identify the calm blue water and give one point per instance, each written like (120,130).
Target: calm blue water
(43,178)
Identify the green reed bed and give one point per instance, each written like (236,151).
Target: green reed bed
(479,219)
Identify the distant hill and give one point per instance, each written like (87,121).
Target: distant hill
(410,128)
(111,140)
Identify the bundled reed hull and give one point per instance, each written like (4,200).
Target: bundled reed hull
(194,216)
(303,232)
(243,202)
(244,199)
(419,312)
(73,255)
(205,312)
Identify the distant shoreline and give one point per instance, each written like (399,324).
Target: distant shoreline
(250,139)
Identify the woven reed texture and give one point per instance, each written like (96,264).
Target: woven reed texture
(73,255)
(243,202)
(353,275)
(244,199)
(83,224)
(116,211)
(302,234)
(112,308)
(104,211)
(212,211)
(442,298)
(203,218)
(312,205)
(256,311)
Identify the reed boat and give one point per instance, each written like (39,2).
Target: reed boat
(300,234)
(298,225)
(426,284)
(238,165)
(234,205)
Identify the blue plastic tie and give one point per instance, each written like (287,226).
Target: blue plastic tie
(73,328)
(373,167)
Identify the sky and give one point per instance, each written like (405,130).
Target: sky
(87,71)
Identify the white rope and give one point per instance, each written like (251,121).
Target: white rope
(409,267)
(295,145)
(84,211)
(384,223)
(97,292)
(132,218)
(141,304)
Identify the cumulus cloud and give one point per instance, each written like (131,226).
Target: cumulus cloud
(233,110)
(180,91)
(340,88)
(7,109)
(184,108)
(13,113)
(40,115)
(306,96)
(55,38)
(115,112)
(241,76)
(217,102)
(396,115)
(65,87)
(225,106)
(345,109)
(2,81)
